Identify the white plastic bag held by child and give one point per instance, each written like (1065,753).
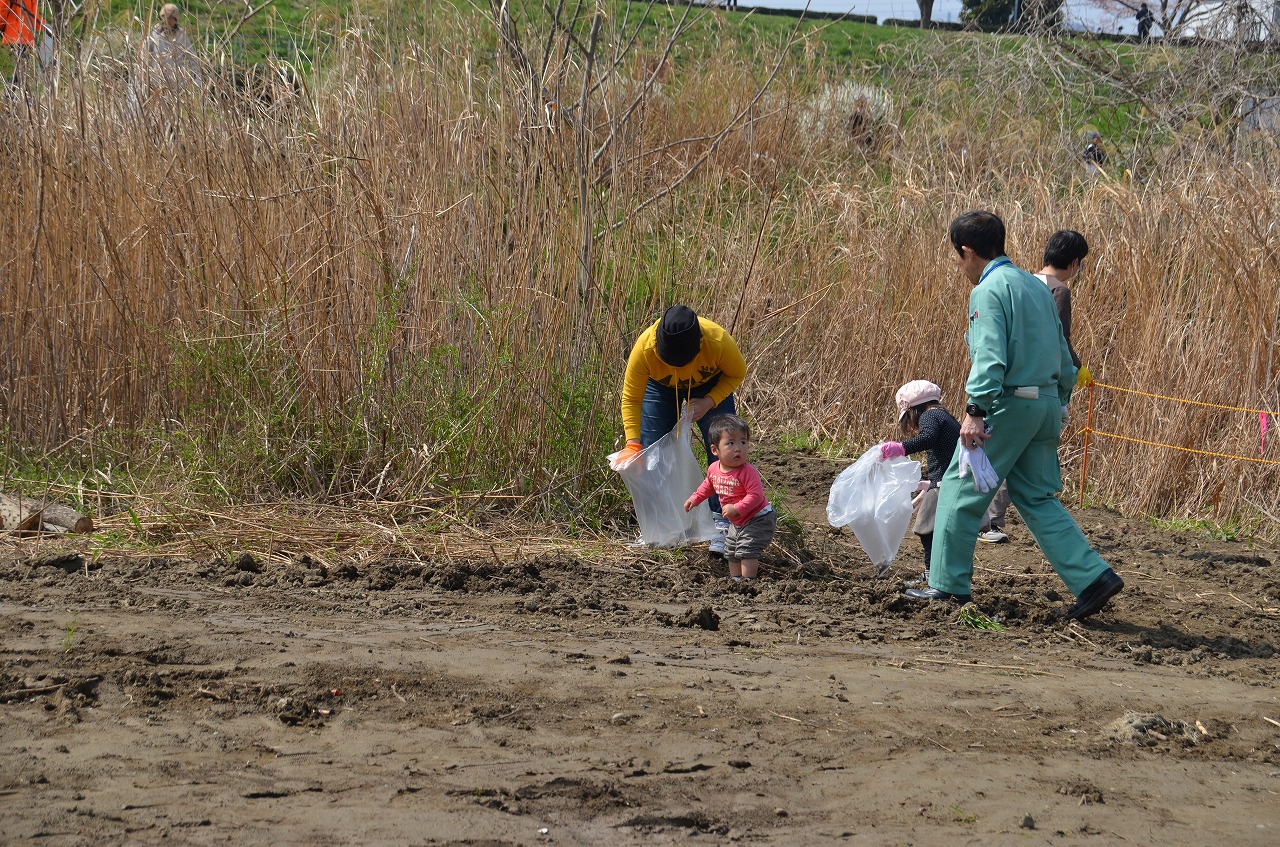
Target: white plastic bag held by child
(873,498)
(660,478)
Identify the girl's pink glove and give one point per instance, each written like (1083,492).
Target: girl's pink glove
(891,450)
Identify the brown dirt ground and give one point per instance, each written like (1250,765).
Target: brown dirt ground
(552,699)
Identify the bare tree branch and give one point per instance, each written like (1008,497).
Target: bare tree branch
(249,14)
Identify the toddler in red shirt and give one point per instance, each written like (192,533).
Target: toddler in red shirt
(752,521)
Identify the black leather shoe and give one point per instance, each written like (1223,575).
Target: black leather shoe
(1093,598)
(936,594)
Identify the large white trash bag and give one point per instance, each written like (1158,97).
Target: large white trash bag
(873,498)
(660,479)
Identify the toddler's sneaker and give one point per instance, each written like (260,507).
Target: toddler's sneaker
(993,536)
(722,529)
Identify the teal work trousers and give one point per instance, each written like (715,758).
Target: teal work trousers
(1023,449)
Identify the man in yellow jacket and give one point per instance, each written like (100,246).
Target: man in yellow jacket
(682,358)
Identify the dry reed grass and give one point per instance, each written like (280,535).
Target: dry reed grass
(422,278)
(334,538)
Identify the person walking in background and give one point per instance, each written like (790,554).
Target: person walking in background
(926,426)
(1063,257)
(1094,156)
(1020,376)
(1145,19)
(168,57)
(752,521)
(682,358)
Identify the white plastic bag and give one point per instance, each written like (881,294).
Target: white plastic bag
(873,498)
(660,479)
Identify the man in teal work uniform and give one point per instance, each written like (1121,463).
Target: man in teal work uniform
(1020,378)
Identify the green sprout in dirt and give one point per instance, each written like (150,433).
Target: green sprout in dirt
(961,815)
(971,615)
(69,634)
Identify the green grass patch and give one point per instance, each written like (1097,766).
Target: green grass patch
(1230,531)
(972,616)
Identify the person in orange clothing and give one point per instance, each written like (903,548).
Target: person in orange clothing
(681,358)
(19,23)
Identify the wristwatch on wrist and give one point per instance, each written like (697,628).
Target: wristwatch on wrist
(975,411)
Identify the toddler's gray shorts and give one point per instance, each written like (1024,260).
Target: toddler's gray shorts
(750,541)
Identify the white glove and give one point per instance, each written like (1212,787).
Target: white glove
(975,459)
(1066,418)
(982,467)
(966,461)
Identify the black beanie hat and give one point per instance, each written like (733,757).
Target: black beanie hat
(679,336)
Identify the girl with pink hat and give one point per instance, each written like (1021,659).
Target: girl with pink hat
(926,426)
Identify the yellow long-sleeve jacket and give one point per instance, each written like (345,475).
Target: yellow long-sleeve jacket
(718,356)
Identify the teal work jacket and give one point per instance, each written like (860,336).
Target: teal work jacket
(1015,337)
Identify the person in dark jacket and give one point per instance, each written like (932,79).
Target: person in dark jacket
(1145,19)
(926,426)
(1093,154)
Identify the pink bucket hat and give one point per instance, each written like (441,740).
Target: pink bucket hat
(914,393)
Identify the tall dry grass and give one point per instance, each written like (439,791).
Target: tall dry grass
(425,273)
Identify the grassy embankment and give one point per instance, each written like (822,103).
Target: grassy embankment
(413,284)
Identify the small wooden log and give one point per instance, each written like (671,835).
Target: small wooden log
(24,514)
(19,514)
(66,518)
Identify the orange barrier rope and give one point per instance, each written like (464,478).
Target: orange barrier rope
(1186,449)
(1180,399)
(1090,431)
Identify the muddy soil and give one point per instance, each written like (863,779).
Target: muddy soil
(639,697)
